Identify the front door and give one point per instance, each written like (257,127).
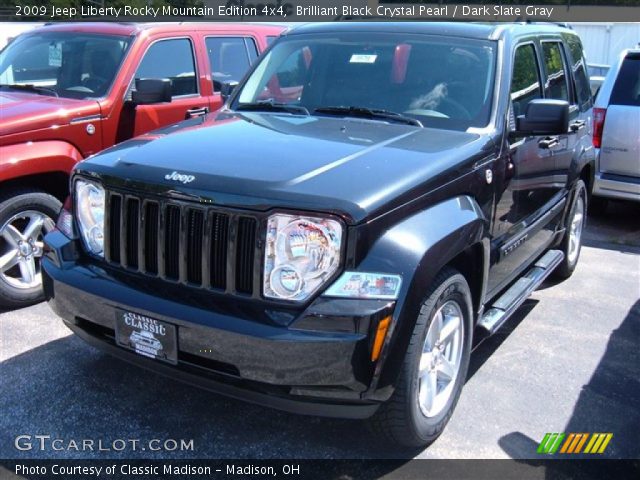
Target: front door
(525,183)
(174,59)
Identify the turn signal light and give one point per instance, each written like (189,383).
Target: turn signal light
(381,334)
(65,219)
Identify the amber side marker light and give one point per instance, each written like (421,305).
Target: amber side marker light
(383,326)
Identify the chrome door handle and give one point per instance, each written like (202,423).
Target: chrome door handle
(548,142)
(197,112)
(577,125)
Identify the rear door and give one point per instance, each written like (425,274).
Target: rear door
(582,97)
(229,59)
(558,86)
(175,59)
(620,151)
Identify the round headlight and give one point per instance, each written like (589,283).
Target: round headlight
(90,212)
(302,253)
(286,281)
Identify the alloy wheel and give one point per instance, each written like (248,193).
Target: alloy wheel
(441,359)
(575,230)
(21,246)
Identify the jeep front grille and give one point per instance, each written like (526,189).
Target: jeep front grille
(180,242)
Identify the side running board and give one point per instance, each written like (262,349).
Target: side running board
(509,302)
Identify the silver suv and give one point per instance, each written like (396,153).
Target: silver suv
(616,130)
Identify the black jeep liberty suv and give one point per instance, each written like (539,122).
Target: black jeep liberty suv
(373,200)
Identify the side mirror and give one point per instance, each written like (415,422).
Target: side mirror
(226,89)
(151,90)
(544,117)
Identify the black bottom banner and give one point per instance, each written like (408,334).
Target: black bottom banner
(319,469)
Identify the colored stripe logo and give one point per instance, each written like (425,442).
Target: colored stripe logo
(596,443)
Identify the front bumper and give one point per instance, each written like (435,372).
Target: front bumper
(291,367)
(616,186)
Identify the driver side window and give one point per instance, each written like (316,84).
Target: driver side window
(229,58)
(525,83)
(172,59)
(556,85)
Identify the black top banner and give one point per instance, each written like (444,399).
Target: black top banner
(320,10)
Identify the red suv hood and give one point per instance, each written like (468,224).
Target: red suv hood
(21,111)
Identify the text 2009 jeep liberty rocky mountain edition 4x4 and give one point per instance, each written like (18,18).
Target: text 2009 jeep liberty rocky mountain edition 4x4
(69,90)
(373,198)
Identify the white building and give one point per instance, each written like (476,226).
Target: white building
(603,42)
(10,30)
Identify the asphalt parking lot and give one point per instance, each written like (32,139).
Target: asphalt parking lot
(567,362)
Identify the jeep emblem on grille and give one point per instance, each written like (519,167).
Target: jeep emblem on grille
(180,177)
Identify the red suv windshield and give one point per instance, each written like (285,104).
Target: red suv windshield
(65,64)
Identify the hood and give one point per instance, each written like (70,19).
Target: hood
(351,167)
(24,111)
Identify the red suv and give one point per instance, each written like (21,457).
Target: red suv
(68,91)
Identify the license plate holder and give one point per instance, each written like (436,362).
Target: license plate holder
(147,336)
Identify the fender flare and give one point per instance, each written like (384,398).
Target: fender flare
(421,245)
(586,157)
(33,158)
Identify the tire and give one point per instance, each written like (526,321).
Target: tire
(18,209)
(402,419)
(572,242)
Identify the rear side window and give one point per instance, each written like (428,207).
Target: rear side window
(172,59)
(556,86)
(583,88)
(525,85)
(230,58)
(626,90)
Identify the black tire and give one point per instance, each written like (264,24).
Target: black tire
(12,203)
(400,420)
(568,265)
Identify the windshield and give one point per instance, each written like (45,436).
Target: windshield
(66,64)
(440,81)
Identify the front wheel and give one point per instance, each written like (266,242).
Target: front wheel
(435,366)
(25,217)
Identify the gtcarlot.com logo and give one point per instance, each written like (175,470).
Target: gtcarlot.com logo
(49,443)
(593,443)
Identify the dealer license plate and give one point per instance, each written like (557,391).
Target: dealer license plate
(147,336)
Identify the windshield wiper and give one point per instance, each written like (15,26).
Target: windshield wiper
(373,113)
(272,107)
(30,87)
